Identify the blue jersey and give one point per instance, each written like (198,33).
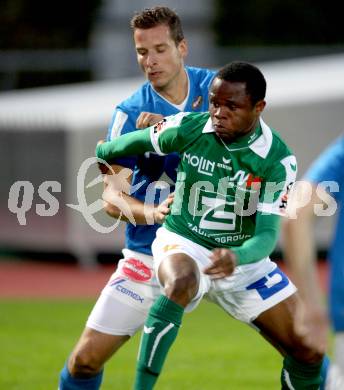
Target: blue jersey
(153,175)
(330,167)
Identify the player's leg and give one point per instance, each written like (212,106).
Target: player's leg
(301,364)
(262,295)
(325,367)
(119,312)
(84,369)
(179,277)
(183,286)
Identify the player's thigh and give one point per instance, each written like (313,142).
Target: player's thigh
(127,297)
(169,249)
(116,316)
(180,277)
(178,266)
(277,323)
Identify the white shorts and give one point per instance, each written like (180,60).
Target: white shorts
(122,306)
(250,290)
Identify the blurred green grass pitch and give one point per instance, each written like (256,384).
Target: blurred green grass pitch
(212,350)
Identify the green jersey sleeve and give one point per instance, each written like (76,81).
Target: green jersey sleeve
(262,243)
(130,144)
(172,134)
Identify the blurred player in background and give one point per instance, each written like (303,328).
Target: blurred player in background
(320,193)
(171,88)
(217,240)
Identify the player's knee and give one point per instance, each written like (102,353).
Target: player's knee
(83,365)
(304,353)
(182,288)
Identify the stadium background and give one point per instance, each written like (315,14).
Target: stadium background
(63,67)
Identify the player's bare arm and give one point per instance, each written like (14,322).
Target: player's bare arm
(119,204)
(311,319)
(299,243)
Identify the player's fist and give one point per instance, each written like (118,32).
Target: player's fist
(146,119)
(223,263)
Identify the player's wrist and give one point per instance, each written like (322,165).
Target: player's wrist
(237,255)
(156,214)
(150,214)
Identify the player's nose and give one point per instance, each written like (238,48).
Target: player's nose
(151,60)
(219,112)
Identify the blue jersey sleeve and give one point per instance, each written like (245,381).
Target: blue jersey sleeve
(122,123)
(329,165)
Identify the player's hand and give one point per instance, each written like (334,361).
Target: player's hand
(312,324)
(163,209)
(102,167)
(223,263)
(146,119)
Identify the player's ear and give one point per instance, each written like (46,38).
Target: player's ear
(183,48)
(260,105)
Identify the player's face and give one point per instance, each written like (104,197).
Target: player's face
(231,109)
(159,57)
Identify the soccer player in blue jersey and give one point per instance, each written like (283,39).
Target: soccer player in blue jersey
(320,193)
(171,87)
(211,242)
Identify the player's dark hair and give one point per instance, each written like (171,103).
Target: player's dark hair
(152,17)
(243,72)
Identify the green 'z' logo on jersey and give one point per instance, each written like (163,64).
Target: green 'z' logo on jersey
(214,216)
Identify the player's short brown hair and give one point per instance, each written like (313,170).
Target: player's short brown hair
(152,17)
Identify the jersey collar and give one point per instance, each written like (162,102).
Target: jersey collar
(246,140)
(208,127)
(178,107)
(259,141)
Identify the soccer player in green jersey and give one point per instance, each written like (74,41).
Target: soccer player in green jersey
(232,187)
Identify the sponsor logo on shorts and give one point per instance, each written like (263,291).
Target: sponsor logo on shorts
(115,281)
(270,284)
(136,270)
(118,284)
(170,247)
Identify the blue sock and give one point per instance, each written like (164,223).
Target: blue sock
(67,382)
(323,372)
